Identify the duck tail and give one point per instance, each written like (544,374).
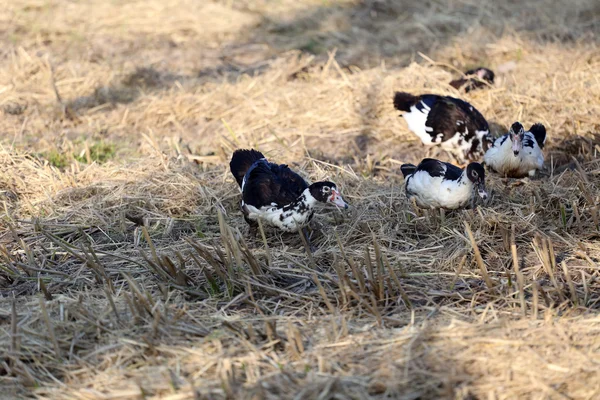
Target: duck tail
(404,101)
(539,132)
(241,161)
(408,169)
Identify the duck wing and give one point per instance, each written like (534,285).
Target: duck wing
(271,184)
(449,116)
(439,168)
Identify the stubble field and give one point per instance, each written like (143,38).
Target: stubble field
(127,270)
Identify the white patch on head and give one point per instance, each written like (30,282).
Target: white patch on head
(437,192)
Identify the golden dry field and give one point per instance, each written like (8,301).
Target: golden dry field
(128,272)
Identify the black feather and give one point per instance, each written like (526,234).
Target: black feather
(439,168)
(241,161)
(268,183)
(404,101)
(528,142)
(447,111)
(408,169)
(539,132)
(453,173)
(432,167)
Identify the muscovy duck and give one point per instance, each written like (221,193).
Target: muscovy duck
(518,153)
(437,184)
(452,123)
(475,79)
(276,194)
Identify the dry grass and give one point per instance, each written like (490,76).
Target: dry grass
(126,270)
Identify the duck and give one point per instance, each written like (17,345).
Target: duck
(453,124)
(435,184)
(475,78)
(277,195)
(518,153)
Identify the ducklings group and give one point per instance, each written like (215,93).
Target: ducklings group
(275,194)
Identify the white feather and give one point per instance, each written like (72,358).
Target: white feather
(292,219)
(437,192)
(416,121)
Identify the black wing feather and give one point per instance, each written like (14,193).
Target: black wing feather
(269,183)
(436,168)
(446,112)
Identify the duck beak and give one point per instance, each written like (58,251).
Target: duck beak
(336,198)
(481,190)
(516,144)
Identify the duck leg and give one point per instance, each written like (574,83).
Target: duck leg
(306,236)
(253,226)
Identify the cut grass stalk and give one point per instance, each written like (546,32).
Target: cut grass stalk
(323,293)
(478,258)
(591,203)
(574,298)
(49,327)
(403,294)
(14,333)
(518,274)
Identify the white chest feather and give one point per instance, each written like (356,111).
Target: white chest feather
(437,192)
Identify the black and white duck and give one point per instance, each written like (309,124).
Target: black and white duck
(518,153)
(475,78)
(276,194)
(437,184)
(453,124)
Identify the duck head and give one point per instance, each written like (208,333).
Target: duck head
(516,136)
(476,174)
(327,192)
(485,74)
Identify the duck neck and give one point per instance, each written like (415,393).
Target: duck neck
(305,202)
(307,198)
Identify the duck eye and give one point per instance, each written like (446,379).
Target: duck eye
(475,174)
(326,189)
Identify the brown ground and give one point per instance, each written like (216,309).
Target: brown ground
(127,271)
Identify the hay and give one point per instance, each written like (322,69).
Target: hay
(127,271)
